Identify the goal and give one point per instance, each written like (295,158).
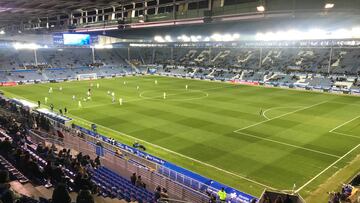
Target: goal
(88,76)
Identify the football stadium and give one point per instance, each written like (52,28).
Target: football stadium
(179,101)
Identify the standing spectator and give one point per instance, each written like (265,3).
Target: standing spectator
(97,162)
(60,195)
(133,178)
(222,195)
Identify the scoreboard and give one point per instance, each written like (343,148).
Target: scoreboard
(69,39)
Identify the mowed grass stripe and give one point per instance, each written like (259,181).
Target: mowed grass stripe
(203,129)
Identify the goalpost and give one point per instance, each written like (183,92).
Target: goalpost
(87,76)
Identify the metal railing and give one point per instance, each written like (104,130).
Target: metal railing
(124,164)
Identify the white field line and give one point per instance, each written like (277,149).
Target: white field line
(181,155)
(280,107)
(287,144)
(331,165)
(291,112)
(86,122)
(150,98)
(344,134)
(339,126)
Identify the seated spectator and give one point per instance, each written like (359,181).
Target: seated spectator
(139,182)
(287,199)
(212,198)
(85,197)
(157,193)
(6,194)
(133,200)
(60,195)
(118,152)
(279,199)
(5,146)
(164,194)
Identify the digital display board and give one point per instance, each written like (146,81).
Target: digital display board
(76,39)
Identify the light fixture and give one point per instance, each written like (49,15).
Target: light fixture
(329,5)
(2,32)
(260,8)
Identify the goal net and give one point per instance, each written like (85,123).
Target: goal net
(88,76)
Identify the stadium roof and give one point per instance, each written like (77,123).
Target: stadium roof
(20,10)
(117,17)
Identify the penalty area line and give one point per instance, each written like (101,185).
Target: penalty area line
(327,168)
(291,112)
(279,107)
(287,144)
(184,156)
(341,125)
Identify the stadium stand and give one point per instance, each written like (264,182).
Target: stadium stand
(33,149)
(304,67)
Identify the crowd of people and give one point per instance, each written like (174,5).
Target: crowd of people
(53,173)
(63,169)
(342,196)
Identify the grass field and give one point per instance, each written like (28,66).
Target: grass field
(217,130)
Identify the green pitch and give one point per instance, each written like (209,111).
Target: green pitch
(246,137)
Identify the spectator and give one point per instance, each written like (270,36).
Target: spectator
(287,199)
(118,152)
(279,199)
(253,201)
(212,198)
(5,146)
(139,182)
(157,193)
(164,194)
(133,200)
(133,178)
(85,197)
(222,195)
(97,162)
(60,195)
(266,199)
(6,194)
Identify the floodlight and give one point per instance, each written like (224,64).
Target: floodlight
(103,46)
(329,5)
(236,36)
(207,39)
(31,46)
(216,37)
(159,39)
(2,32)
(260,8)
(168,38)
